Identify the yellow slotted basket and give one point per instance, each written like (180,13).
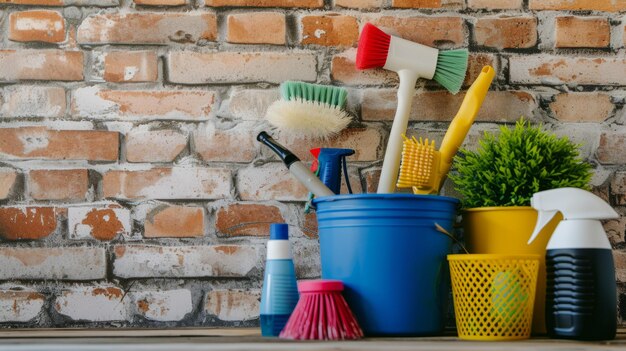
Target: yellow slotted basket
(493,295)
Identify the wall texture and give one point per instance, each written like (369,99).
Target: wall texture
(131,184)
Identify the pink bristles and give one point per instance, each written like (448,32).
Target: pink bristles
(321,314)
(373,47)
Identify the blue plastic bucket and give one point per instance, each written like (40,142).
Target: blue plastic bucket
(392,260)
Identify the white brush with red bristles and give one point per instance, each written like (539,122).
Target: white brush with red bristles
(411,61)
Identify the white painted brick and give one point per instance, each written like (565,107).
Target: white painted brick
(94,304)
(233,305)
(61,263)
(249,104)
(97,103)
(144,261)
(555,70)
(168,183)
(163,305)
(188,67)
(270,182)
(33,101)
(99,223)
(20,306)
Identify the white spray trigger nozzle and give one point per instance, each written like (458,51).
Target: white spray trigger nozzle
(573,203)
(542,220)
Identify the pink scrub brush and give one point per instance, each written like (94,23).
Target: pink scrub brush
(321,314)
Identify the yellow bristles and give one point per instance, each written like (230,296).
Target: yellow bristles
(419,165)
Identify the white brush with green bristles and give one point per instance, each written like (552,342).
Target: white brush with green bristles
(309,110)
(411,61)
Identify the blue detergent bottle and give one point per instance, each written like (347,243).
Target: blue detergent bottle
(280,290)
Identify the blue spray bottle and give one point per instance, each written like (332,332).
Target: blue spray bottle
(280,290)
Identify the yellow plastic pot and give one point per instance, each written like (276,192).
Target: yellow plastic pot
(505,231)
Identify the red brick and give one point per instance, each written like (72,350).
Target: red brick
(239,219)
(154,145)
(33,101)
(556,70)
(160,2)
(615,230)
(431,31)
(38,25)
(343,70)
(495,4)
(233,145)
(372,176)
(597,5)
(364,141)
(500,106)
(265,3)
(475,64)
(174,222)
(582,107)
(147,28)
(309,226)
(359,4)
(103,224)
(582,32)
(168,183)
(131,66)
(27,223)
(416,4)
(618,188)
(66,184)
(8,178)
(611,148)
(48,144)
(53,263)
(506,32)
(93,102)
(619,258)
(33,2)
(41,65)
(270,182)
(233,305)
(329,30)
(144,261)
(20,305)
(257,28)
(188,67)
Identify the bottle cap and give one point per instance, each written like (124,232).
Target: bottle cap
(279,231)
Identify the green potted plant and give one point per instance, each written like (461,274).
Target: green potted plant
(497,182)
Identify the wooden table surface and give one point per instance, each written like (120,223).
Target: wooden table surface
(235,339)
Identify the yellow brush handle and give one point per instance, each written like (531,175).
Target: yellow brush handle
(463,120)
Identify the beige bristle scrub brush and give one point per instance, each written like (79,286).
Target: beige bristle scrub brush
(309,110)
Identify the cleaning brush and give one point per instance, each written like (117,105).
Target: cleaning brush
(419,168)
(309,110)
(411,61)
(321,314)
(424,169)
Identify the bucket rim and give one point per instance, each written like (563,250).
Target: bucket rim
(341,197)
(483,257)
(498,208)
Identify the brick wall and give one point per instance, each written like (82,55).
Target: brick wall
(127,136)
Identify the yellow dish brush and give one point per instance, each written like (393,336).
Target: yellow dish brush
(422,167)
(419,166)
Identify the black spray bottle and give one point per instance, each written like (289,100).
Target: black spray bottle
(581,296)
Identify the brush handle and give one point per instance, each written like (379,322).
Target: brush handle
(462,122)
(297,168)
(393,153)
